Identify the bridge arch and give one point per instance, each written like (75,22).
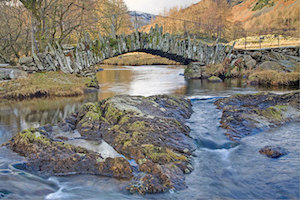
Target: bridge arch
(74,59)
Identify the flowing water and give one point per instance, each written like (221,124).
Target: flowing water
(222,170)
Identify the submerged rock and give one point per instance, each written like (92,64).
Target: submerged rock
(148,130)
(273,152)
(248,114)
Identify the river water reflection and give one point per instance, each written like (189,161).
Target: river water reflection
(220,172)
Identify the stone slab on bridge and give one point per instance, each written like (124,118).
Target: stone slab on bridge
(75,59)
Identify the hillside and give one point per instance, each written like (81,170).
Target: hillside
(233,19)
(266,14)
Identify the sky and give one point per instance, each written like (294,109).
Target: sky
(156,6)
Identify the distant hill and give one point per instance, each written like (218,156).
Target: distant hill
(141,19)
(231,19)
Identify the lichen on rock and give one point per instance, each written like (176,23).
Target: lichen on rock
(48,157)
(248,114)
(148,130)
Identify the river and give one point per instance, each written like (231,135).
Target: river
(222,170)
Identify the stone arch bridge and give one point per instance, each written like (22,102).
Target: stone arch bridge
(76,59)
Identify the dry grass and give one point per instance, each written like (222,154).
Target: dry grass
(268,41)
(215,70)
(138,59)
(50,84)
(270,77)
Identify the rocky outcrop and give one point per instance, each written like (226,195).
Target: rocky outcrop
(214,79)
(75,59)
(148,131)
(276,59)
(248,114)
(194,70)
(49,157)
(10,74)
(273,151)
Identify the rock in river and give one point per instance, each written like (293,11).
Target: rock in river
(273,152)
(248,114)
(49,157)
(148,130)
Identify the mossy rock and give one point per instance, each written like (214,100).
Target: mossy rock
(149,130)
(144,129)
(93,83)
(215,79)
(48,157)
(248,114)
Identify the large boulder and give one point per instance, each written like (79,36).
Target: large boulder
(271,65)
(194,70)
(256,55)
(147,131)
(10,74)
(250,63)
(248,114)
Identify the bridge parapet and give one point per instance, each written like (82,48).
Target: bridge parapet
(75,59)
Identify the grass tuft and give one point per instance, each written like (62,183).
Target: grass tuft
(271,77)
(49,84)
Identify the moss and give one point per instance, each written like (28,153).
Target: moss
(124,120)
(115,128)
(261,4)
(273,112)
(138,126)
(127,143)
(113,43)
(32,136)
(160,154)
(215,79)
(93,83)
(113,114)
(92,115)
(94,107)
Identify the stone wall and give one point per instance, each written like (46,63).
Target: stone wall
(75,59)
(284,59)
(288,57)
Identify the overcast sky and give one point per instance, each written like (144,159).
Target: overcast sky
(156,6)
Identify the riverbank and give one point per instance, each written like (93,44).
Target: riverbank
(49,84)
(138,59)
(260,67)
